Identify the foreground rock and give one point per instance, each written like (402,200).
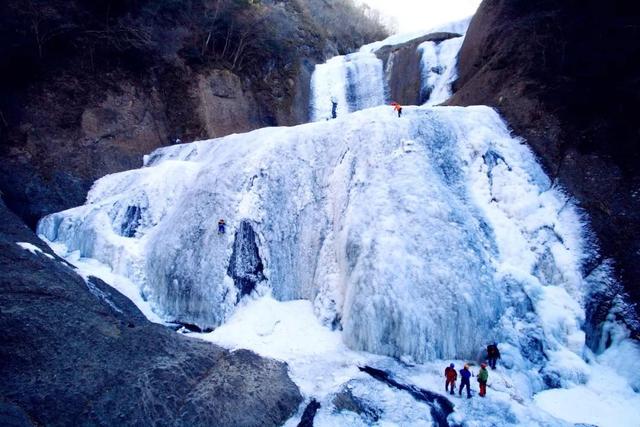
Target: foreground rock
(78,354)
(551,71)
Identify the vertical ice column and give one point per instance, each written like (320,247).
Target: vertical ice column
(354,82)
(365,77)
(329,84)
(439,70)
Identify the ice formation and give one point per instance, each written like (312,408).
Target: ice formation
(422,238)
(357,81)
(354,82)
(439,69)
(401,231)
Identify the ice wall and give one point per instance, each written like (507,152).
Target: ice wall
(424,236)
(439,69)
(354,82)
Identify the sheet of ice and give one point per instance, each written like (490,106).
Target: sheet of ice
(439,69)
(353,82)
(397,230)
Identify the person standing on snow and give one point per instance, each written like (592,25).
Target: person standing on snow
(398,108)
(493,354)
(221,226)
(483,376)
(465,380)
(334,107)
(451,375)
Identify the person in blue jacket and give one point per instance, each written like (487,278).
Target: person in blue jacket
(221,226)
(465,380)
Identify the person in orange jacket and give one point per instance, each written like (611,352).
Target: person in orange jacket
(398,108)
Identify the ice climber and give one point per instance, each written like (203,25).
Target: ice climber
(221,226)
(398,108)
(334,108)
(465,380)
(451,375)
(483,376)
(493,354)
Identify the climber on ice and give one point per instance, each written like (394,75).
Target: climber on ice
(493,354)
(334,107)
(398,108)
(451,376)
(221,226)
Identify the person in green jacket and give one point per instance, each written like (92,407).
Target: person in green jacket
(483,376)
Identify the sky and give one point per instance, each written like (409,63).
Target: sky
(413,15)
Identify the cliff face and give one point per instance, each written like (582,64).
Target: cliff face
(81,353)
(86,89)
(564,75)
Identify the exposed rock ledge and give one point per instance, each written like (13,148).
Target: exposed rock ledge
(72,355)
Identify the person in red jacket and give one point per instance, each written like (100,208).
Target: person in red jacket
(398,108)
(451,375)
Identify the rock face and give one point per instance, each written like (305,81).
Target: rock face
(564,75)
(245,265)
(403,70)
(82,354)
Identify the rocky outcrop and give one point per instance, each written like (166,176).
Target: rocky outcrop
(245,265)
(402,67)
(80,353)
(564,75)
(224,106)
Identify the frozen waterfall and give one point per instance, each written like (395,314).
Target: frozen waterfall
(438,64)
(353,82)
(422,236)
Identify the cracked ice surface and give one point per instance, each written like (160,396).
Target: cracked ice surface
(425,236)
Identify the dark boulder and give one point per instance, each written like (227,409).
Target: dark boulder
(565,77)
(80,353)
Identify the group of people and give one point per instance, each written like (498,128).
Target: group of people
(451,375)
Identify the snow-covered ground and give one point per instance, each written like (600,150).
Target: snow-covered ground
(321,364)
